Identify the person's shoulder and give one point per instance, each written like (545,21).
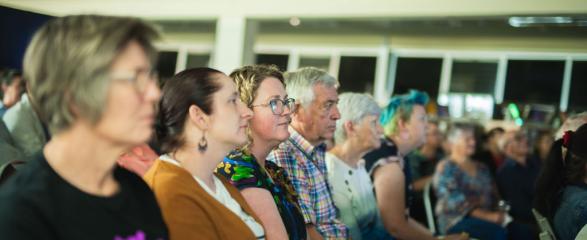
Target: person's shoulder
(165,178)
(13,115)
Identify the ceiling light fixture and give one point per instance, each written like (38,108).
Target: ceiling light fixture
(542,21)
(295,21)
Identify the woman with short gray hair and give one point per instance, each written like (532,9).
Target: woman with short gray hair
(91,78)
(357,132)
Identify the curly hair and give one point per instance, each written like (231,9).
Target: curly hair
(247,80)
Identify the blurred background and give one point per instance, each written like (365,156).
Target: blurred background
(513,62)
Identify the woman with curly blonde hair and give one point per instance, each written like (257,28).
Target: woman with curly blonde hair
(263,184)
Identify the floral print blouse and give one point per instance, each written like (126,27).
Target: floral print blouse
(243,171)
(459,193)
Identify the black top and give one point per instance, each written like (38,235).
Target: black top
(388,148)
(516,185)
(36,203)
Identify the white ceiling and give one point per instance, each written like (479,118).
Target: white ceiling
(269,9)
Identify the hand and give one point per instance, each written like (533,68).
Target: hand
(138,160)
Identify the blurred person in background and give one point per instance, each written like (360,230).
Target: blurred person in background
(201,119)
(404,124)
(25,125)
(264,185)
(424,159)
(542,145)
(13,87)
(488,150)
(92,75)
(423,162)
(562,183)
(516,178)
(357,132)
(465,190)
(139,159)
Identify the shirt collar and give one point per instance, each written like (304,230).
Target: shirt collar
(306,146)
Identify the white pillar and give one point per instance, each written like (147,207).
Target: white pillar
(233,46)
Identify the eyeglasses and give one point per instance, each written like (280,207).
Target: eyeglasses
(278,106)
(140,79)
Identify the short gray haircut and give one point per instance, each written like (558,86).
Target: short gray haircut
(300,83)
(571,124)
(67,64)
(456,130)
(354,107)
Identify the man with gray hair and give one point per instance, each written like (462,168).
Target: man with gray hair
(302,155)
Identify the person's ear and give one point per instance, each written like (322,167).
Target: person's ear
(349,128)
(199,118)
(300,113)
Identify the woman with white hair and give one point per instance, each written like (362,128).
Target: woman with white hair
(357,132)
(467,195)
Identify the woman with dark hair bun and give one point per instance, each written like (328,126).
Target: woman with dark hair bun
(201,118)
(562,184)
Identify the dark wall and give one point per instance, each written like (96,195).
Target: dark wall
(16,30)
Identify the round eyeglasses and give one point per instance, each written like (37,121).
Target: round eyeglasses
(278,106)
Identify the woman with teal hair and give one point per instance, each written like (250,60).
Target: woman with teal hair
(404,123)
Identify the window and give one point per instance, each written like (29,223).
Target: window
(534,82)
(197,60)
(577,96)
(473,77)
(318,62)
(277,59)
(418,73)
(166,64)
(357,74)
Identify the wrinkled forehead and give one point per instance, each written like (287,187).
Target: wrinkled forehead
(323,93)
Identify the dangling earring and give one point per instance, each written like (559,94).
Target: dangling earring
(203,143)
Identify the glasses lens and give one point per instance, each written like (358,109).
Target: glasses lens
(291,104)
(276,106)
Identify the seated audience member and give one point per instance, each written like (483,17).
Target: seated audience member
(88,72)
(357,132)
(466,192)
(262,183)
(489,151)
(302,155)
(139,159)
(543,144)
(424,159)
(561,188)
(201,118)
(404,124)
(25,126)
(517,176)
(12,88)
(8,150)
(422,164)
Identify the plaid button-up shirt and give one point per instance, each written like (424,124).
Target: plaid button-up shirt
(306,167)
